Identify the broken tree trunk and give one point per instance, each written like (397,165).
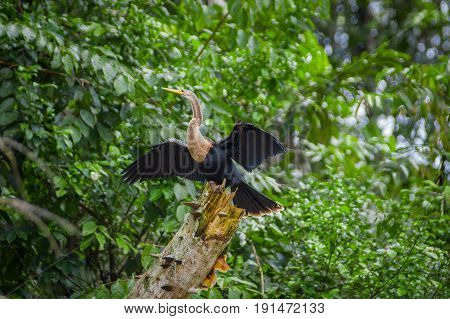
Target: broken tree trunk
(191,254)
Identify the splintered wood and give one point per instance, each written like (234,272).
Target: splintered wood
(192,253)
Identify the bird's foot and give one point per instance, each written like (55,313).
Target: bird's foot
(214,186)
(217,188)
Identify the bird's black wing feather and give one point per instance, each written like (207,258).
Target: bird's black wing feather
(250,146)
(171,158)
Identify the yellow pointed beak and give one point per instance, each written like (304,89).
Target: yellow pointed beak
(173,91)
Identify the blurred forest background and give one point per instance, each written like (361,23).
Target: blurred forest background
(357,90)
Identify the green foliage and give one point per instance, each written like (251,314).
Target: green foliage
(359,95)
(340,240)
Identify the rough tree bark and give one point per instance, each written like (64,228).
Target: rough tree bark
(191,254)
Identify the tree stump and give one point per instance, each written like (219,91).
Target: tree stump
(191,254)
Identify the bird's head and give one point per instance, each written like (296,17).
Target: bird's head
(192,98)
(184,93)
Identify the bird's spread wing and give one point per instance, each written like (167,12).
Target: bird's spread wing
(171,158)
(249,146)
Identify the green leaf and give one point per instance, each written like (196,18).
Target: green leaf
(447,194)
(236,11)
(245,282)
(155,194)
(68,64)
(95,97)
(41,42)
(253,45)
(105,133)
(75,134)
(12,31)
(190,187)
(28,34)
(180,191)
(401,292)
(102,293)
(121,85)
(84,129)
(117,290)
(6,88)
(28,134)
(170,224)
(182,210)
(88,118)
(101,240)
(56,61)
(60,193)
(6,104)
(104,231)
(234,293)
(85,243)
(146,257)
(122,243)
(88,228)
(8,118)
(110,72)
(391,253)
(59,182)
(5,74)
(242,38)
(405,98)
(214,293)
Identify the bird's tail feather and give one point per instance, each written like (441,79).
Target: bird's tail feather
(254,202)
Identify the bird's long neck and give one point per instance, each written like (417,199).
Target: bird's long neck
(198,145)
(196,109)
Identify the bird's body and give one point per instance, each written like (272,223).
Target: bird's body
(217,167)
(204,160)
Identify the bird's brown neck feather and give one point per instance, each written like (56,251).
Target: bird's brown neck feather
(196,109)
(198,145)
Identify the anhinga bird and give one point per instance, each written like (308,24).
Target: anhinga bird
(203,160)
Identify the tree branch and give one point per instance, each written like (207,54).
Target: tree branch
(211,36)
(22,207)
(28,153)
(39,212)
(192,253)
(14,167)
(261,273)
(13,65)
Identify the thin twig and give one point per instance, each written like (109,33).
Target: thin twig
(93,262)
(405,260)
(211,36)
(141,238)
(261,273)
(94,214)
(359,105)
(315,87)
(42,271)
(13,65)
(112,263)
(125,216)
